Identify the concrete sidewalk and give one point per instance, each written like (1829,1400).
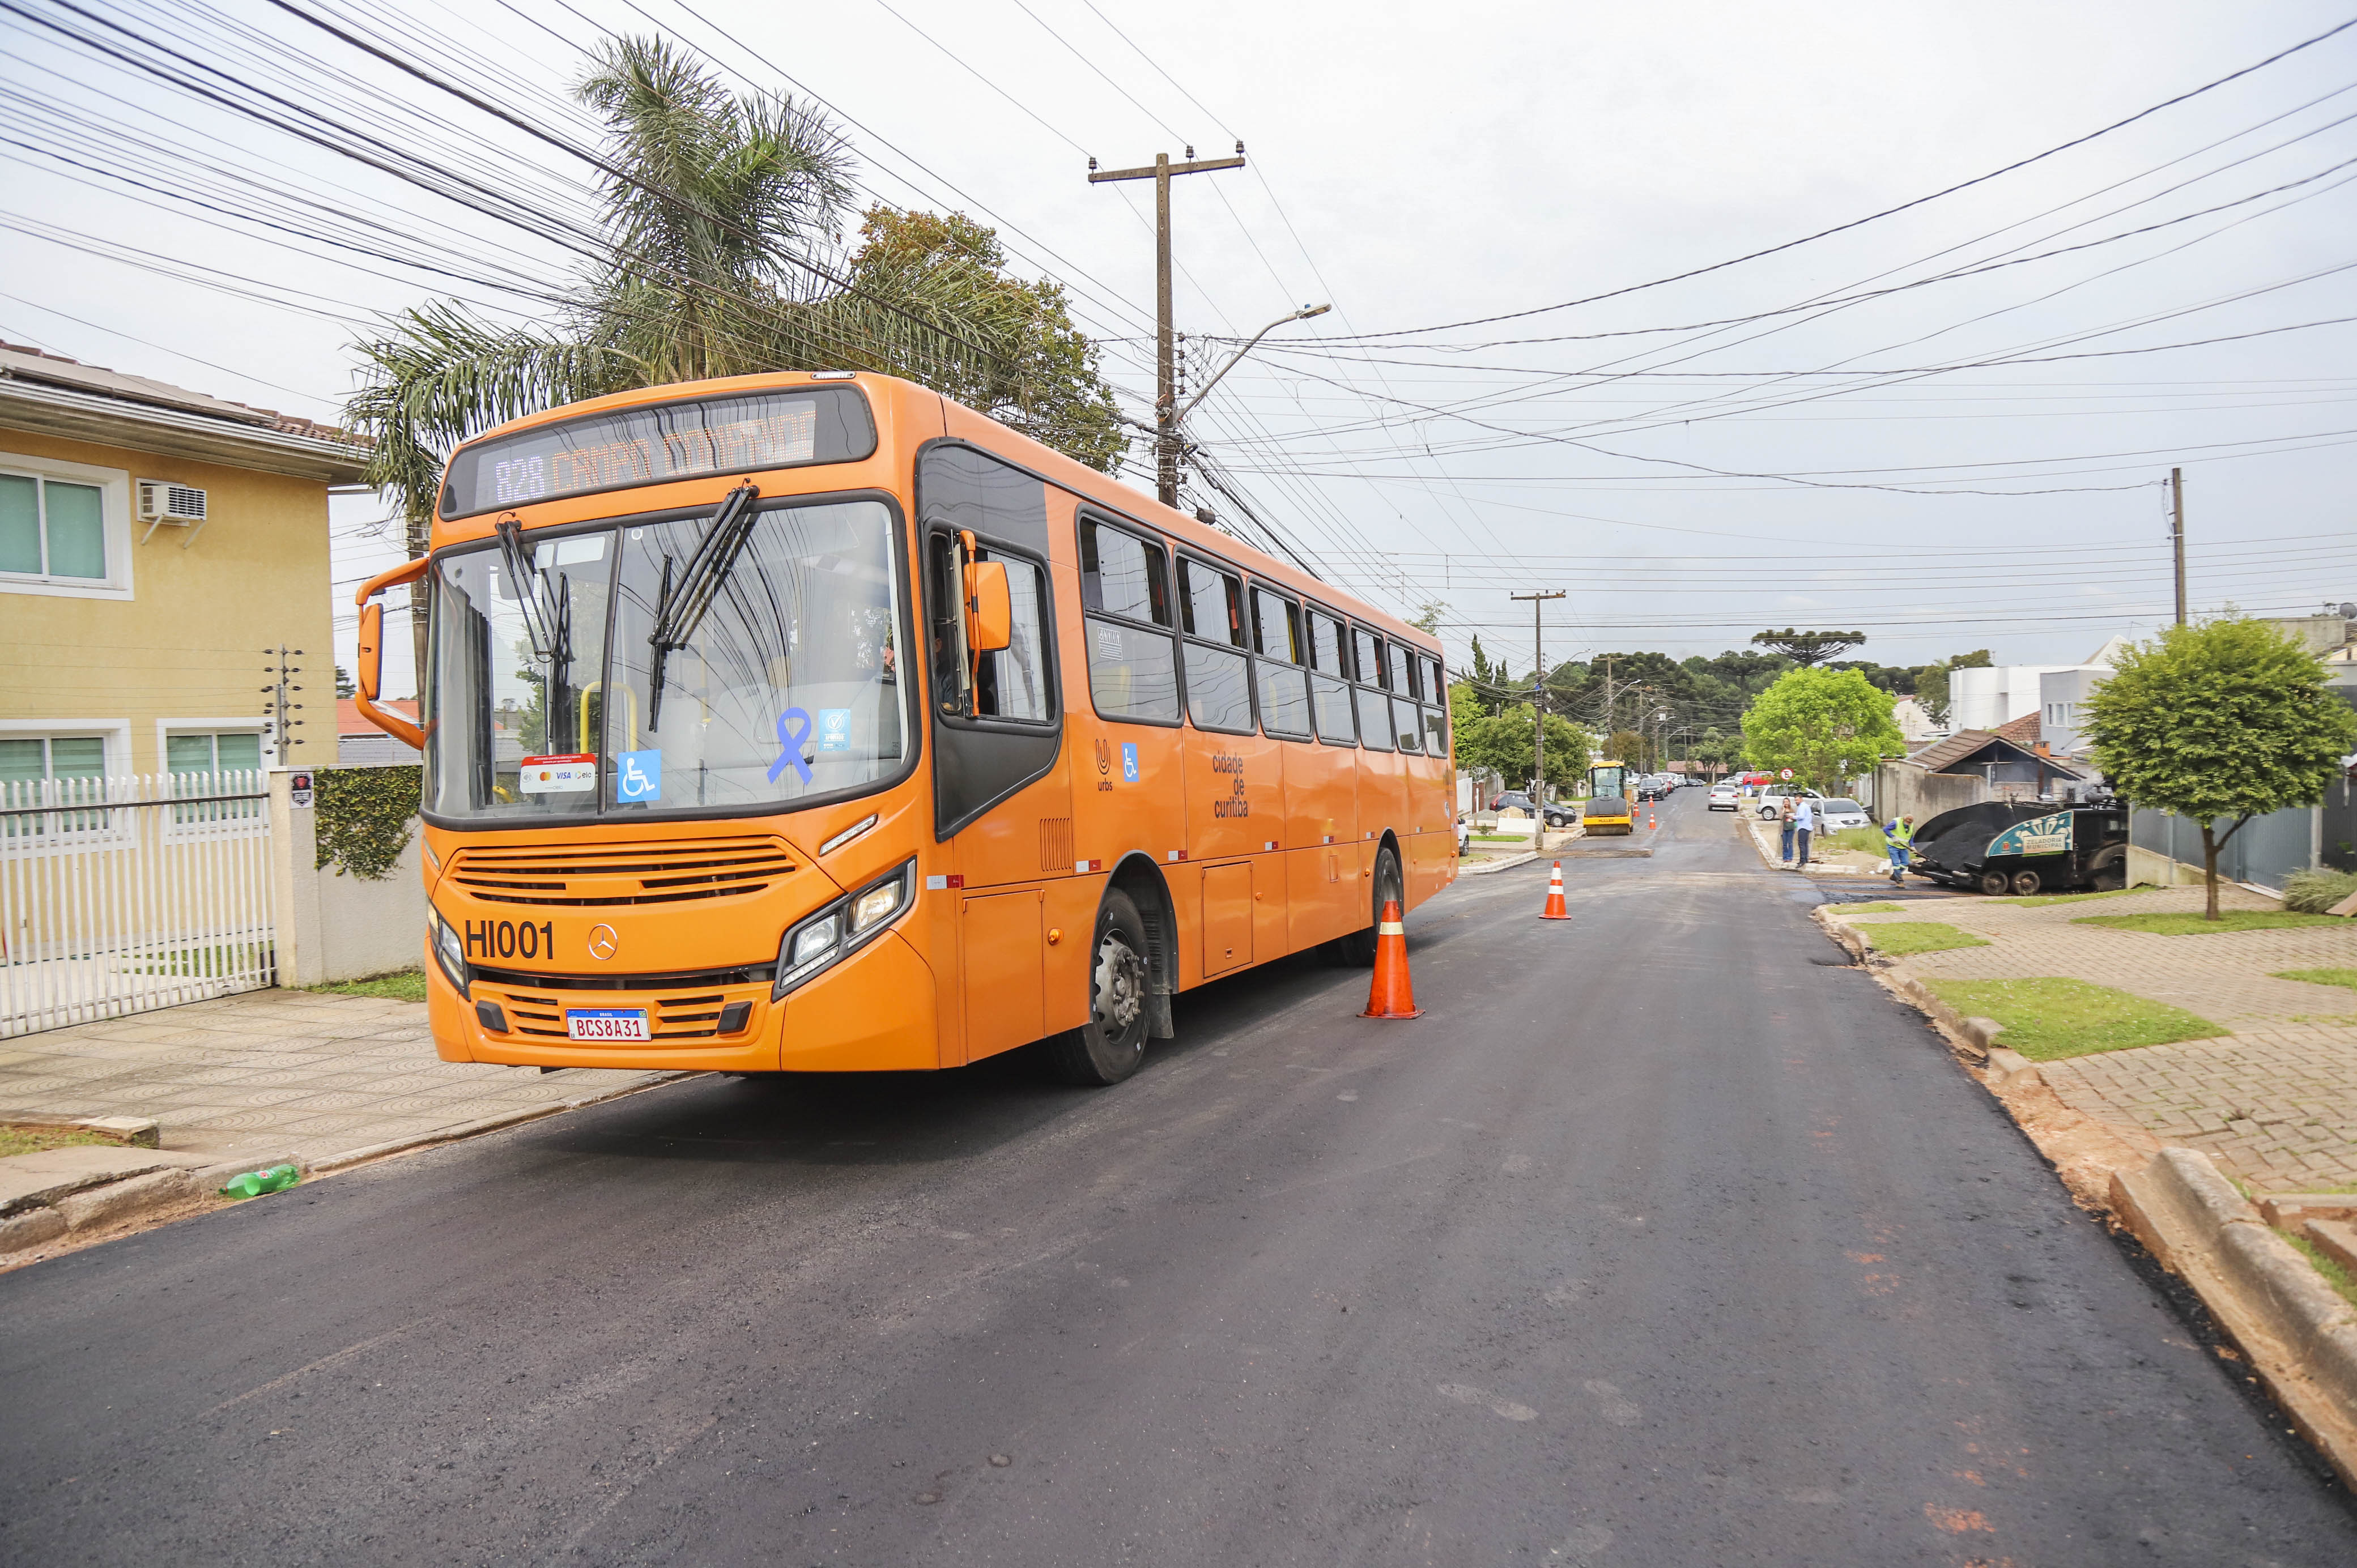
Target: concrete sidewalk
(276,1074)
(2273,1099)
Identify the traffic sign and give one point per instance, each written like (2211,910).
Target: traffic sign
(1786,774)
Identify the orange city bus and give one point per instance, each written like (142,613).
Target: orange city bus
(813,722)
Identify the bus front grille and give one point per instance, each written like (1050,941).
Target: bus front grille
(594,876)
(669,1018)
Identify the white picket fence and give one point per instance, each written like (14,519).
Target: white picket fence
(120,894)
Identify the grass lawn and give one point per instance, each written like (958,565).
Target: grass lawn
(403,985)
(2334,1274)
(1899,938)
(33,1140)
(2048,1020)
(1868,841)
(2189,923)
(1885,907)
(2347,977)
(2043,899)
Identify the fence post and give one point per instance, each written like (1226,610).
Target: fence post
(295,884)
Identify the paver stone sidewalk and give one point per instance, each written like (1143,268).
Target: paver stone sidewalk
(2274,1100)
(275,1073)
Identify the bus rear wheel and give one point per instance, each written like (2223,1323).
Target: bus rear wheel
(1357,950)
(1112,1045)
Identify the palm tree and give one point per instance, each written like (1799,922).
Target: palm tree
(719,213)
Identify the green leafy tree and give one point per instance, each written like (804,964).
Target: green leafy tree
(1627,745)
(1504,743)
(1427,615)
(2227,719)
(1826,726)
(715,207)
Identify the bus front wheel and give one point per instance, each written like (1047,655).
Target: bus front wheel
(1112,1045)
(1357,950)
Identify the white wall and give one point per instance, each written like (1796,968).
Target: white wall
(332,925)
(1984,699)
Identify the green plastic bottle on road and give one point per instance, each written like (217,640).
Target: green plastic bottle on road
(253,1183)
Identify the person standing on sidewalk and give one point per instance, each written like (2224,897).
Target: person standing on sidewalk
(1784,852)
(1804,824)
(1898,833)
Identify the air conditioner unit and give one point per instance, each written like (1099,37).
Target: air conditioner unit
(178,505)
(164,504)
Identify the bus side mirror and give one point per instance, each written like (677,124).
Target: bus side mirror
(989,607)
(371,661)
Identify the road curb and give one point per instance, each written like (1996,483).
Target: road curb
(2300,1336)
(1492,867)
(111,1202)
(481,1124)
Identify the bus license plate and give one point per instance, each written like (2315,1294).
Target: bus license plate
(606,1024)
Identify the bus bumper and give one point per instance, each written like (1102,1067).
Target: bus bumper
(872,1013)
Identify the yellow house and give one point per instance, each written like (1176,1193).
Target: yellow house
(154,541)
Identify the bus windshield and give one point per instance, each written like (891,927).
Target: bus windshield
(540,697)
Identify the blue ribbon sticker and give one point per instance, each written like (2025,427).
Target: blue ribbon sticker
(793,741)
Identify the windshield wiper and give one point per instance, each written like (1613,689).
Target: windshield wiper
(527,576)
(680,606)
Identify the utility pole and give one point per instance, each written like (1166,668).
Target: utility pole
(1165,399)
(1609,703)
(1538,695)
(2177,534)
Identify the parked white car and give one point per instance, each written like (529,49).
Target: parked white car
(1771,801)
(1833,814)
(1723,797)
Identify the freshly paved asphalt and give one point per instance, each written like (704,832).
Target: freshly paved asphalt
(1658,1239)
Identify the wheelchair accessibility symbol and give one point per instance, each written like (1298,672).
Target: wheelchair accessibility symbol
(637,776)
(1129,762)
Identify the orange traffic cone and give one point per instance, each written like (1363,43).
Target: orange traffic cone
(1650,823)
(1391,996)
(1555,908)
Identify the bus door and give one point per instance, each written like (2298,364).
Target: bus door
(1002,786)
(1235,785)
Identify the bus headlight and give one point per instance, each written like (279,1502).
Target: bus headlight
(448,950)
(819,940)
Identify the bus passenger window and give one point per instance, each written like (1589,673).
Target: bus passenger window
(1409,721)
(1133,661)
(1211,603)
(1435,710)
(1330,694)
(1403,681)
(1376,730)
(1219,679)
(1122,574)
(1284,685)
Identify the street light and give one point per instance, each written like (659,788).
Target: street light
(1304,313)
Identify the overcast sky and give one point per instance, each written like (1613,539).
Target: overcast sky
(1424,167)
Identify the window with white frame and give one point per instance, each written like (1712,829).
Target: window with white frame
(64,528)
(212,763)
(48,772)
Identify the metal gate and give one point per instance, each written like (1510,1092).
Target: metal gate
(120,894)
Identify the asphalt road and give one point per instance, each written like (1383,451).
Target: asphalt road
(1658,1239)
